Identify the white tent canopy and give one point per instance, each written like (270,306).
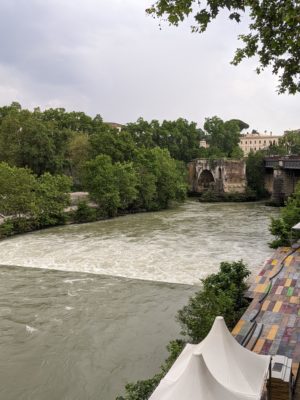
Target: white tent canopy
(195,383)
(234,368)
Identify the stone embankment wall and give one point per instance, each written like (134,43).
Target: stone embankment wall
(222,176)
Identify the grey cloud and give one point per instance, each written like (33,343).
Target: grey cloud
(108,57)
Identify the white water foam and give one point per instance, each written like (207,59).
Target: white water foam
(31,329)
(177,246)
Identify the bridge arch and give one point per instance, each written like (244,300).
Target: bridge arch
(206,179)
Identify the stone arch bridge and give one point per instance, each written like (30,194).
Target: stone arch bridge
(221,176)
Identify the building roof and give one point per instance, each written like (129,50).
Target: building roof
(115,124)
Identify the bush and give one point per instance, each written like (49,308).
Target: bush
(84,213)
(16,225)
(6,229)
(211,196)
(281,227)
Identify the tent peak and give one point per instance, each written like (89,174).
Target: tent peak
(219,317)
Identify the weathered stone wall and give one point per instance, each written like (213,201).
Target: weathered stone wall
(284,183)
(234,176)
(223,176)
(269,180)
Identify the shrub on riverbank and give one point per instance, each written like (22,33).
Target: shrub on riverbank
(221,294)
(31,202)
(210,196)
(281,227)
(84,213)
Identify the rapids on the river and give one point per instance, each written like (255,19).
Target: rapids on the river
(96,304)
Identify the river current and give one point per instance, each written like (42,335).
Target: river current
(96,304)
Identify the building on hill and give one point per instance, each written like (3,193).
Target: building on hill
(257,141)
(203,143)
(115,125)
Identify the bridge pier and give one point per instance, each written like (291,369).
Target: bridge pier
(281,177)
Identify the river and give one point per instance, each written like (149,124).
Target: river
(95,306)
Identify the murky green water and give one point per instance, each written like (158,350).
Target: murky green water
(67,335)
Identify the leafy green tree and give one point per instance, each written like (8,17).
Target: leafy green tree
(281,227)
(127,181)
(290,143)
(78,153)
(161,179)
(222,136)
(273,31)
(242,125)
(100,180)
(84,213)
(181,138)
(52,197)
(255,172)
(17,191)
(119,146)
(37,150)
(10,138)
(237,153)
(142,132)
(74,121)
(221,294)
(26,140)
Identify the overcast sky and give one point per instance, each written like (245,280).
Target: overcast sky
(108,57)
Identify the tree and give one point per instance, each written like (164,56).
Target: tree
(281,227)
(222,136)
(52,197)
(17,191)
(78,154)
(242,125)
(119,146)
(290,142)
(161,179)
(274,31)
(37,150)
(100,180)
(127,181)
(255,173)
(26,140)
(221,294)
(180,137)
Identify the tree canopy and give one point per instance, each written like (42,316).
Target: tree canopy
(273,37)
(223,137)
(281,227)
